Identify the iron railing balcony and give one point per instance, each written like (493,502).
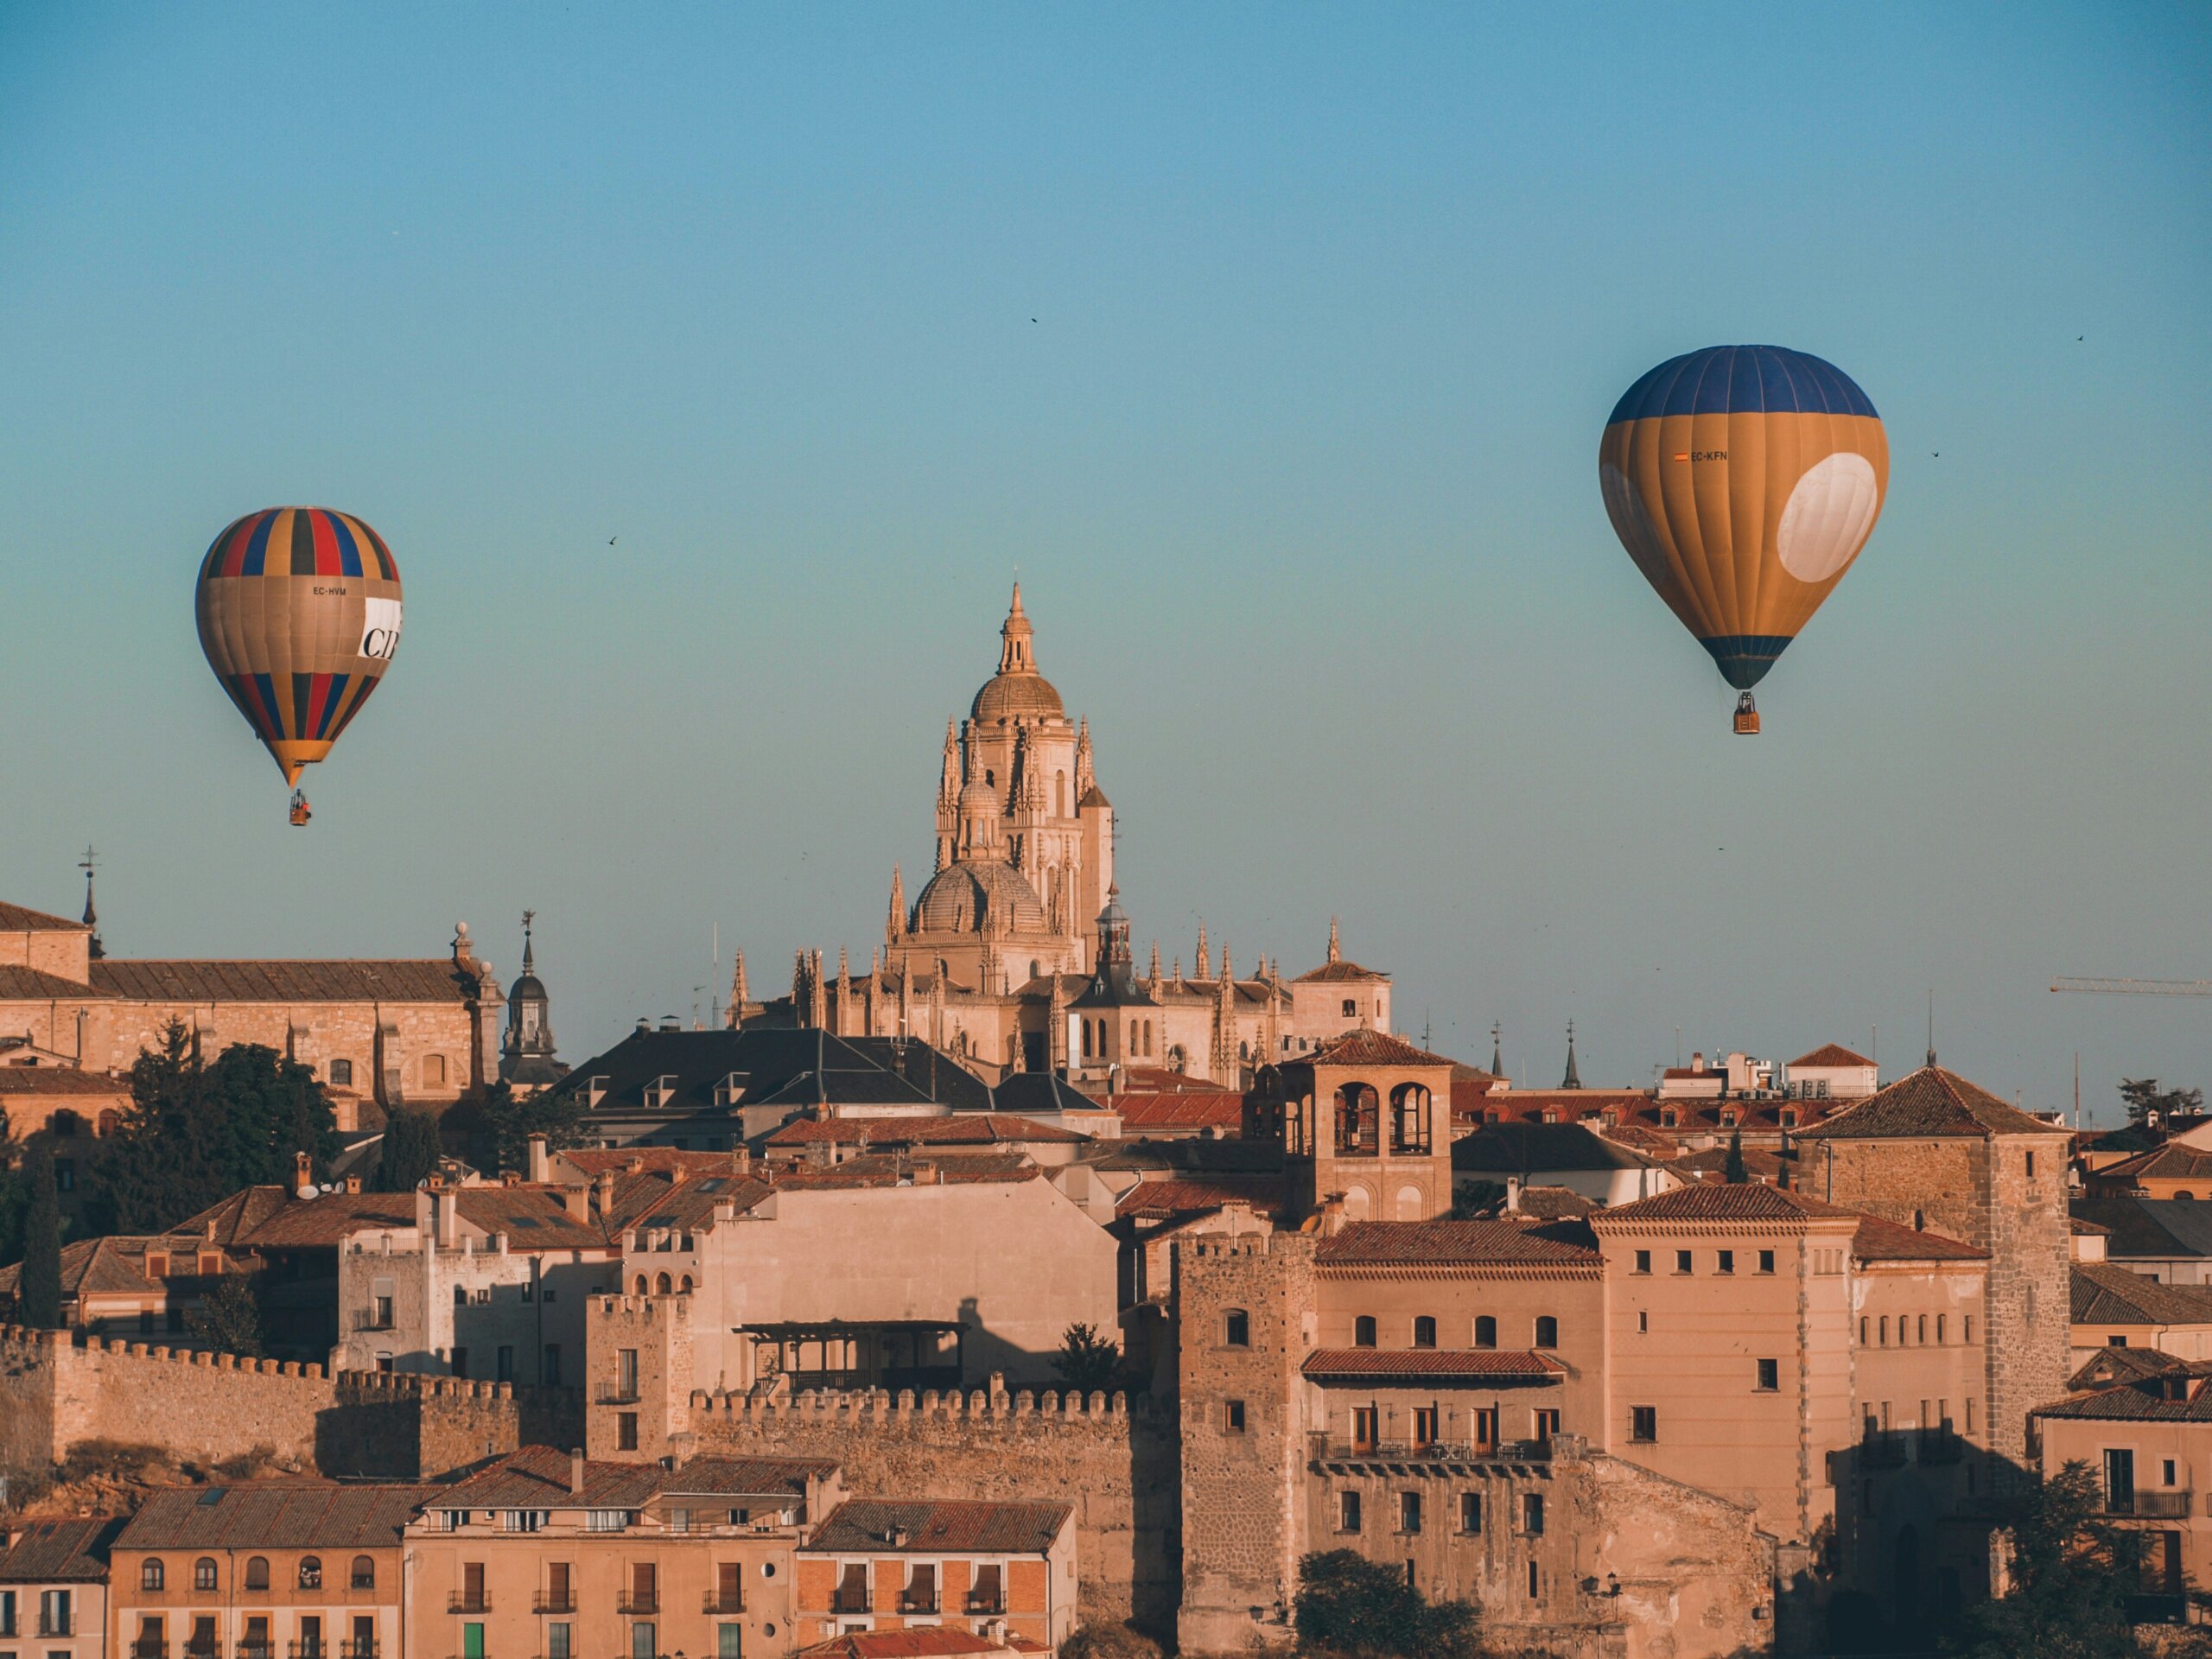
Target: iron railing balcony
(553,1601)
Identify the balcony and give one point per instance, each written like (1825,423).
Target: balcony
(848,1601)
(53,1626)
(313,1648)
(469,1601)
(987,1604)
(918,1601)
(638,1604)
(2151,1505)
(144,1649)
(717,1602)
(368,1318)
(263,1649)
(553,1601)
(369,1649)
(615,1393)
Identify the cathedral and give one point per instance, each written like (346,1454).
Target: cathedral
(1016,956)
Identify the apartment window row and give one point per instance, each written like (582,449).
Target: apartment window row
(1468,1515)
(207,1575)
(1425,1426)
(1912,1330)
(1724,1262)
(1543,1330)
(255,1641)
(921,1593)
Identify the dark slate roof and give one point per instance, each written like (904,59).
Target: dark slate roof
(776,1065)
(956,1129)
(1535,1148)
(435,979)
(59,1549)
(941,1527)
(1429,1364)
(1930,1101)
(2149,1227)
(21,984)
(274,1517)
(2103,1294)
(1039,1093)
(1459,1243)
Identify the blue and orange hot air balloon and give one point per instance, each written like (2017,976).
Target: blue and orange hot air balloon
(1743,480)
(299,614)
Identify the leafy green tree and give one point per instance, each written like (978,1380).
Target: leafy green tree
(2145,1099)
(38,1294)
(1352,1608)
(1733,1170)
(1087,1360)
(2071,1573)
(195,1133)
(15,1192)
(498,1123)
(411,1150)
(228,1317)
(1474,1199)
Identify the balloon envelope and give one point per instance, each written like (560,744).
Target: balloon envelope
(1743,480)
(299,615)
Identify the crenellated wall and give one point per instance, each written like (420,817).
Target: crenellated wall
(1114,1463)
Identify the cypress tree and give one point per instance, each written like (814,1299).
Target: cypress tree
(39,1289)
(1734,1172)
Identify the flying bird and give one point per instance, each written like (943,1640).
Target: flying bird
(611,541)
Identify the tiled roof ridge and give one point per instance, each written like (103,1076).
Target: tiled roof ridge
(1384,1048)
(22,918)
(1832,1054)
(861,1408)
(1904,1110)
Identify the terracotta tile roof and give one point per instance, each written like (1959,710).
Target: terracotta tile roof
(592,1160)
(1930,1101)
(290,1516)
(2110,1365)
(942,1525)
(882,1169)
(2171,1162)
(115,1264)
(20,918)
(2082,1229)
(59,1080)
(1158,1080)
(1830,1054)
(1458,1243)
(2146,1400)
(1177,1197)
(960,1128)
(2104,1295)
(1331,973)
(268,1217)
(532,1218)
(923,1641)
(1878,1240)
(1429,1363)
(539,1477)
(1186,1111)
(432,980)
(21,984)
(1365,1047)
(1636,1138)
(59,1549)
(1709,1201)
(1711,1164)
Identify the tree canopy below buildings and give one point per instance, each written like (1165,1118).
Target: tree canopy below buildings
(1349,1607)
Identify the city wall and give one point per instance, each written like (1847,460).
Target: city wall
(59,1393)
(1116,1463)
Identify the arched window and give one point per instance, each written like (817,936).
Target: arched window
(1409,1118)
(257,1572)
(1237,1328)
(1939,1329)
(364,1576)
(152,1575)
(460,1296)
(685,1285)
(2185,1194)
(1546,1330)
(1884,1328)
(1357,1109)
(643,1288)
(310,1571)
(1485,1331)
(342,1073)
(1424,1331)
(664,1284)
(1363,1332)
(203,1574)
(1086,1039)
(1133,1047)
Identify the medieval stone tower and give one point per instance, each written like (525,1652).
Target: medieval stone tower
(1933,1151)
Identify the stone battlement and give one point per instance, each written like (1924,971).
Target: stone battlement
(866,1404)
(18,1341)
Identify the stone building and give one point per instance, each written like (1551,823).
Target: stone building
(1003,1570)
(547,1554)
(309,1571)
(54,1593)
(422,1030)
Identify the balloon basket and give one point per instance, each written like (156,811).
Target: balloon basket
(300,810)
(1747,716)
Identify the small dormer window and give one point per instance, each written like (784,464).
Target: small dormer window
(1670,1117)
(730,1089)
(594,1091)
(660,1091)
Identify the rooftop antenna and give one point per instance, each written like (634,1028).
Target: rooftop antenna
(1875,1053)
(1496,1057)
(2077,1091)
(1678,1048)
(1424,1028)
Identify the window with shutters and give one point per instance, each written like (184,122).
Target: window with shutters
(985,1589)
(851,1595)
(920,1595)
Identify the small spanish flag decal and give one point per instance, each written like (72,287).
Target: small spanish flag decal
(1681,454)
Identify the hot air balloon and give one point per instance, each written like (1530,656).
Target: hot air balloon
(1743,480)
(299,615)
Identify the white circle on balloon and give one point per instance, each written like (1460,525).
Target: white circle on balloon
(1829,515)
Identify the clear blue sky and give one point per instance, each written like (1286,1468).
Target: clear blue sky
(1296,460)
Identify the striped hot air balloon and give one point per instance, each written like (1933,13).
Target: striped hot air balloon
(1743,480)
(299,615)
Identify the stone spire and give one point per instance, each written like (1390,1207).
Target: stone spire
(1015,656)
(1497,1053)
(1335,955)
(895,923)
(1574,1078)
(738,994)
(1156,962)
(92,911)
(1083,777)
(1204,969)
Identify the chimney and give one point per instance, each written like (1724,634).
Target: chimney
(1697,1060)
(353,1184)
(576,1200)
(302,1174)
(606,1186)
(576,1472)
(1513,1195)
(644,1022)
(444,1205)
(541,1163)
(896,1537)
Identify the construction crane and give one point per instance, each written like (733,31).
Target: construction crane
(2138,987)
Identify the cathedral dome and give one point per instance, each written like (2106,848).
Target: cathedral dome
(978,898)
(1017,689)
